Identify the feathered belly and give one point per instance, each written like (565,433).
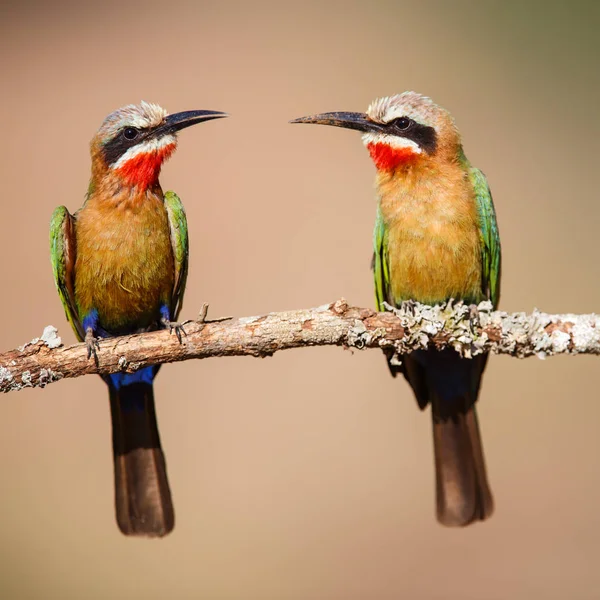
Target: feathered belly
(431,221)
(431,264)
(124,270)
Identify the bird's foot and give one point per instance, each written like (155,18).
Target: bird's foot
(92,343)
(473,315)
(174,326)
(408,307)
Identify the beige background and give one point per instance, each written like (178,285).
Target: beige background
(308,475)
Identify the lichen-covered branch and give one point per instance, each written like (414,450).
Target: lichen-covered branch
(468,329)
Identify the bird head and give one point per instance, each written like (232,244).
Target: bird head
(134,141)
(404,129)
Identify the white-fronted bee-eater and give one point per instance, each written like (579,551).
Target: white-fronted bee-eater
(120,265)
(435,239)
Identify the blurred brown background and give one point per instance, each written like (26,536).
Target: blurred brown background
(308,475)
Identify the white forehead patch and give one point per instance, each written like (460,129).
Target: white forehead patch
(408,104)
(392,141)
(139,116)
(153,145)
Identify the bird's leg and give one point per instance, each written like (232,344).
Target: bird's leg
(92,342)
(406,306)
(175,326)
(90,324)
(409,307)
(473,317)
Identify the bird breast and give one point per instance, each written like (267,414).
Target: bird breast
(124,267)
(434,248)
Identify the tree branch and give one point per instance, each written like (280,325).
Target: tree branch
(469,330)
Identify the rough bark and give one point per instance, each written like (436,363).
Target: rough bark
(470,330)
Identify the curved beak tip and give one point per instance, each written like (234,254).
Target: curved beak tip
(178,121)
(347,120)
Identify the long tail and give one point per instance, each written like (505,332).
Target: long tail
(451,384)
(142,495)
(463,492)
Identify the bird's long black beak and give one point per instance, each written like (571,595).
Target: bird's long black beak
(178,121)
(348,120)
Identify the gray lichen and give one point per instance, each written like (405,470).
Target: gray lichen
(27,379)
(50,337)
(358,335)
(463,327)
(48,376)
(6,377)
(469,329)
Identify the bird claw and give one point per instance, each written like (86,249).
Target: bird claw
(92,343)
(409,307)
(473,313)
(176,327)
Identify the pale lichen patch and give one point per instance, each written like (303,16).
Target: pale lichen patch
(5,375)
(560,340)
(248,320)
(27,379)
(50,337)
(48,376)
(586,333)
(358,335)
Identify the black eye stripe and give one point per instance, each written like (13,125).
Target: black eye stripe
(118,145)
(424,136)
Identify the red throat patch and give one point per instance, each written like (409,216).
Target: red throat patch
(143,169)
(387,158)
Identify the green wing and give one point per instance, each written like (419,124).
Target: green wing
(490,238)
(381,270)
(62,256)
(179,242)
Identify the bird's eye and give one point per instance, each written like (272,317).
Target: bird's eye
(130,133)
(402,123)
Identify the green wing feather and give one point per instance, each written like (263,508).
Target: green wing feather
(62,256)
(381,271)
(490,238)
(180,244)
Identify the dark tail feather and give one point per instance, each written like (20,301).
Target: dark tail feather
(142,495)
(463,492)
(451,385)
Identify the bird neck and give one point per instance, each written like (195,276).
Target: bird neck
(110,190)
(431,191)
(388,158)
(134,169)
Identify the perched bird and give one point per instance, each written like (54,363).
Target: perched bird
(435,239)
(120,266)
